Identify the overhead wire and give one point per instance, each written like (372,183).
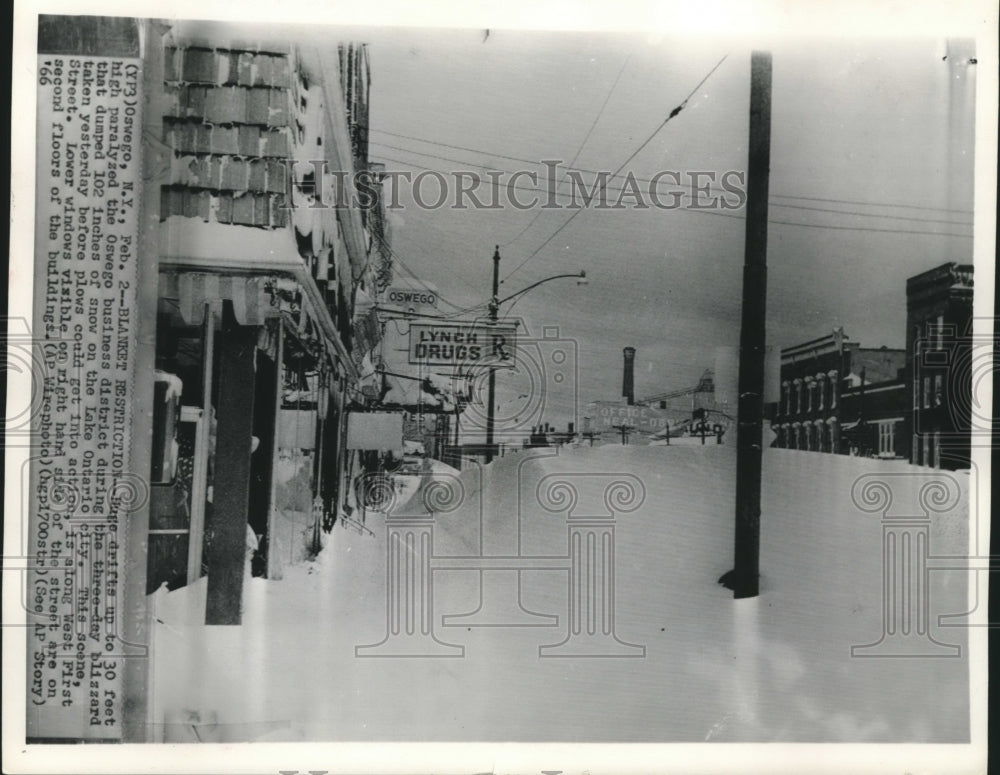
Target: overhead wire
(573,202)
(673,114)
(484,152)
(579,149)
(686,192)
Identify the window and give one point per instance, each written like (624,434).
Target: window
(821,384)
(938,398)
(887,439)
(939,338)
(927,392)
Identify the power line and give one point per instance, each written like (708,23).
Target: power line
(872,215)
(673,114)
(684,191)
(484,152)
(459,311)
(581,146)
(873,204)
(828,226)
(397,261)
(770,220)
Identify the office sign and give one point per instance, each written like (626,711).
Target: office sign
(612,415)
(463,344)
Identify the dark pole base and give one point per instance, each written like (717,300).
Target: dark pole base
(741,585)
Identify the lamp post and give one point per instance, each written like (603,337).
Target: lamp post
(494,316)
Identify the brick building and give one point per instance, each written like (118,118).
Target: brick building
(913,404)
(939,364)
(824,386)
(874,420)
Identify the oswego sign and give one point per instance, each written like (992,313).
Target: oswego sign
(411,297)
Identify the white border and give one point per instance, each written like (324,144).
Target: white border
(760,19)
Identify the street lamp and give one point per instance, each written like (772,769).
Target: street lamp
(494,314)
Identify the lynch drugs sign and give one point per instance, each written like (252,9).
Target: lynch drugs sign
(462,344)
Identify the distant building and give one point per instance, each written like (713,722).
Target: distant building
(874,418)
(826,402)
(915,404)
(938,364)
(697,401)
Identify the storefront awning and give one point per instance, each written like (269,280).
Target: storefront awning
(252,300)
(256,297)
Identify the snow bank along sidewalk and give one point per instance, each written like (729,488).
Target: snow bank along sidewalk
(703,667)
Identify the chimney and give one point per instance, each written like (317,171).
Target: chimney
(628,379)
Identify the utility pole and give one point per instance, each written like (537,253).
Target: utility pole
(744,578)
(491,392)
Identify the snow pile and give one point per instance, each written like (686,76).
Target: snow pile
(775,668)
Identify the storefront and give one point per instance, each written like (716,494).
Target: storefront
(246,432)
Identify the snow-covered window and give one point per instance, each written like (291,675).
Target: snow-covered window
(821,385)
(887,439)
(938,397)
(809,386)
(927,392)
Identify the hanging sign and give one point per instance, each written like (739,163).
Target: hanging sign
(463,344)
(375,430)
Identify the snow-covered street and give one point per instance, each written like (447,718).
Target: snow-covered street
(709,668)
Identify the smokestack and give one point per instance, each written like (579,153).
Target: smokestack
(628,379)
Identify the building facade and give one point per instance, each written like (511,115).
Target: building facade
(827,400)
(217,189)
(914,404)
(262,337)
(939,364)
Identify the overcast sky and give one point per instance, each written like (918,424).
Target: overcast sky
(879,128)
(880,132)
